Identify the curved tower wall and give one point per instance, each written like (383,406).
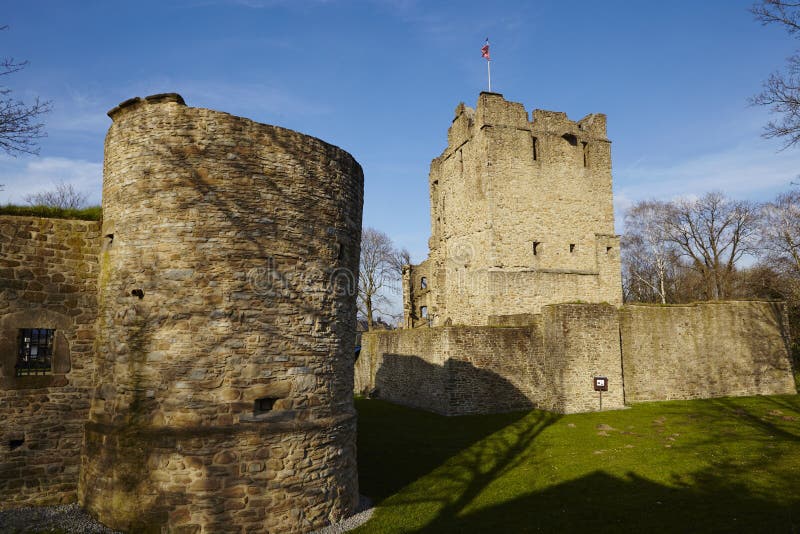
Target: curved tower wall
(226,326)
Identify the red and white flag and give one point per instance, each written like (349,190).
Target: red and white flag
(485,50)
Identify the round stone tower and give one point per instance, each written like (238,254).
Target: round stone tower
(226,326)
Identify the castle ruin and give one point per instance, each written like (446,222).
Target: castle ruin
(519,303)
(521,217)
(187,365)
(199,343)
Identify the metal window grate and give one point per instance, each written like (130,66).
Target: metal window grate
(35,354)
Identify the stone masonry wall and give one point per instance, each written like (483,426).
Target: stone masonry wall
(458,370)
(581,341)
(404,366)
(48,279)
(703,350)
(227,326)
(521,215)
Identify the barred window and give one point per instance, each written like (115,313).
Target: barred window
(35,353)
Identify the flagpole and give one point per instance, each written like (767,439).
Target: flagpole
(485,53)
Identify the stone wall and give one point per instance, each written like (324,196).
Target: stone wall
(703,350)
(223,399)
(581,341)
(708,349)
(404,366)
(548,364)
(48,279)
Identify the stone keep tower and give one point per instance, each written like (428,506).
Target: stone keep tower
(521,217)
(226,326)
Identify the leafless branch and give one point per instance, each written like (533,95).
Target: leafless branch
(20,127)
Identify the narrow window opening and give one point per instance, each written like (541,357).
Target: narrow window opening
(536,247)
(423,283)
(138,293)
(585,154)
(461,161)
(608,250)
(110,238)
(264,405)
(34,351)
(15,443)
(535,148)
(423,312)
(339,251)
(571,139)
(572,247)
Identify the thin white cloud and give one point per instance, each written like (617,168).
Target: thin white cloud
(251,99)
(78,111)
(753,171)
(23,177)
(257,101)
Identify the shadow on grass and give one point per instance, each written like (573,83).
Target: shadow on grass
(599,502)
(768,425)
(719,465)
(424,440)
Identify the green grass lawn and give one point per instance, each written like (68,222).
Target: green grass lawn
(719,465)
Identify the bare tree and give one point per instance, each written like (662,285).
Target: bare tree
(649,256)
(377,270)
(713,233)
(399,259)
(781,91)
(20,128)
(779,233)
(779,247)
(62,195)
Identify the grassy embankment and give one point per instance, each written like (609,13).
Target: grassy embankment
(92,213)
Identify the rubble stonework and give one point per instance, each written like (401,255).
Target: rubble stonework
(548,360)
(521,217)
(223,395)
(204,346)
(456,370)
(705,349)
(518,303)
(48,279)
(221,293)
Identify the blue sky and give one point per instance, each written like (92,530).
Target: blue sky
(381,79)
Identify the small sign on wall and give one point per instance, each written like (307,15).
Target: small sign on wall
(600,383)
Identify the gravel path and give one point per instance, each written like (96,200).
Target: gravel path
(71,519)
(68,518)
(362,515)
